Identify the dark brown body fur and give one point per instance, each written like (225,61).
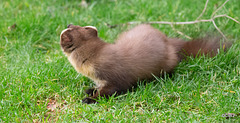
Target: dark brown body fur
(136,55)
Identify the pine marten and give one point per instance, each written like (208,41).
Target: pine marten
(137,54)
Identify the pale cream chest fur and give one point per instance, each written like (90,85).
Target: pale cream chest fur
(86,69)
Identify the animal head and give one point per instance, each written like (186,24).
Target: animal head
(75,36)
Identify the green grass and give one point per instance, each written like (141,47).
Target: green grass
(34,71)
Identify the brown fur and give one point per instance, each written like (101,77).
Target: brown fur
(136,55)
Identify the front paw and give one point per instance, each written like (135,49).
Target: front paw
(89,100)
(90,91)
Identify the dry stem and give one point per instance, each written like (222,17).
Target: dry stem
(212,19)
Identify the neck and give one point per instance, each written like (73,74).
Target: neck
(90,50)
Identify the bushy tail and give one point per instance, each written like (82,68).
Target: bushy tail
(205,46)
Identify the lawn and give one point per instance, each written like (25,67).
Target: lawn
(38,84)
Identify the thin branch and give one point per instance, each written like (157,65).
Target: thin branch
(187,22)
(180,33)
(219,30)
(212,19)
(219,8)
(219,16)
(232,19)
(191,22)
(175,23)
(205,7)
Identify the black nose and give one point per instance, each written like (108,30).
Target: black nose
(68,26)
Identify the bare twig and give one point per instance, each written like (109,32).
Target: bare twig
(180,33)
(212,19)
(175,23)
(219,30)
(232,19)
(187,22)
(205,7)
(191,22)
(219,8)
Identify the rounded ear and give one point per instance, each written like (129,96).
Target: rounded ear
(93,27)
(92,30)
